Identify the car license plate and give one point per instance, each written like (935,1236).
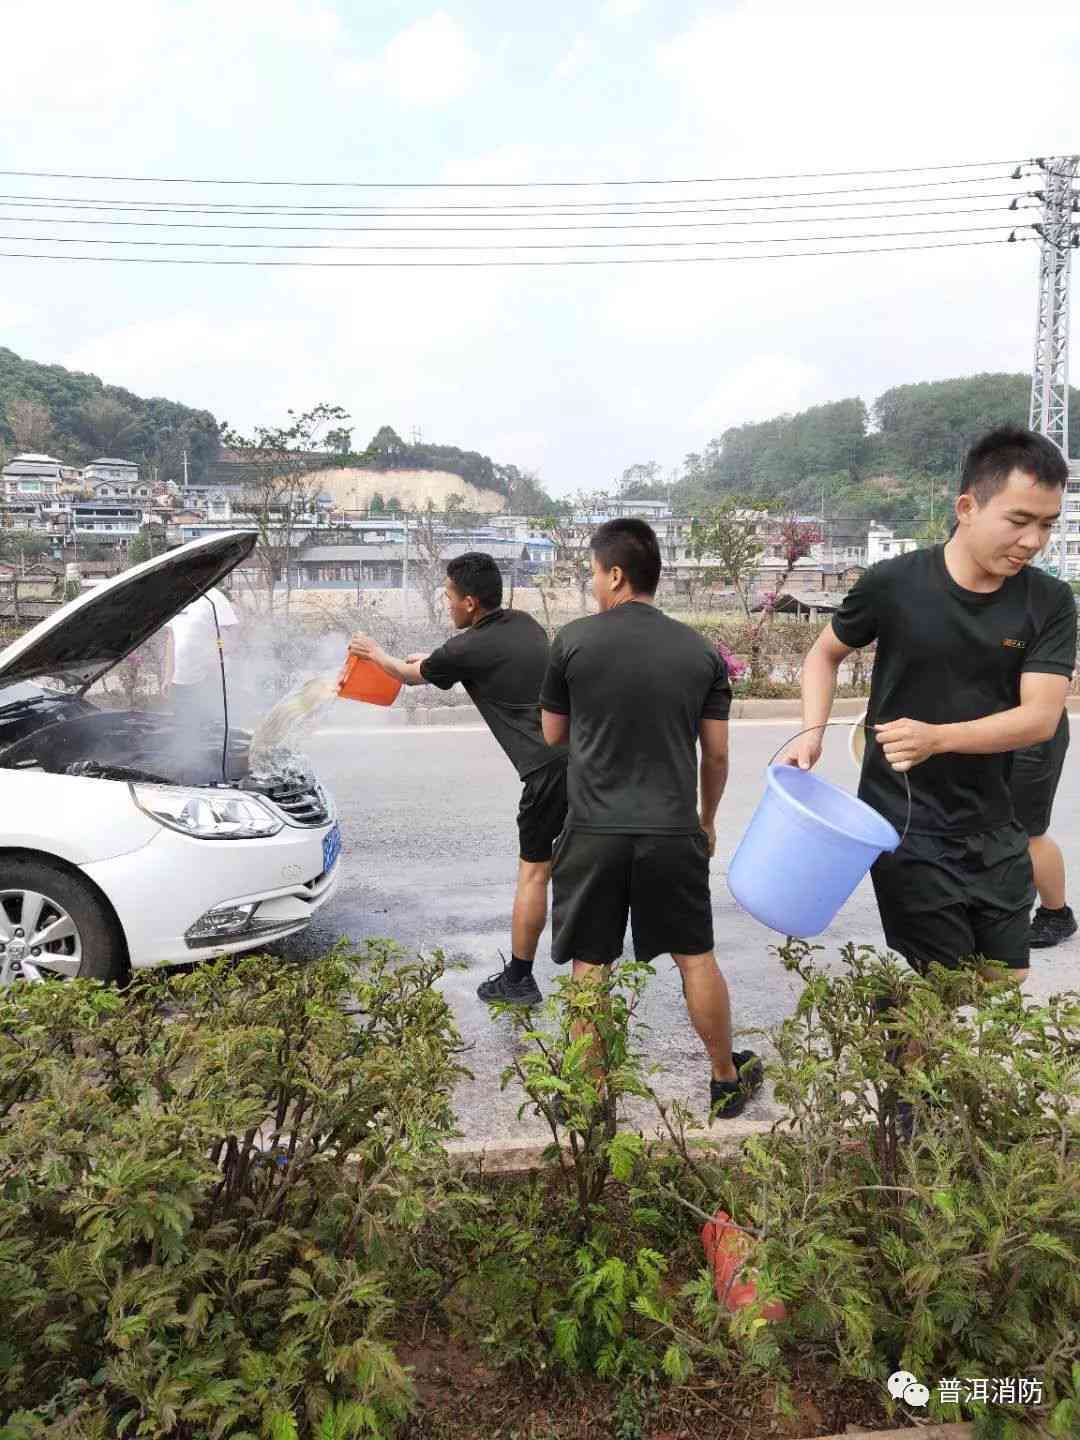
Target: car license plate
(331,848)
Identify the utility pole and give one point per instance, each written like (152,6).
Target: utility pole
(1050,373)
(405,571)
(185,470)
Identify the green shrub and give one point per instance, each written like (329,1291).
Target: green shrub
(954,1254)
(206,1183)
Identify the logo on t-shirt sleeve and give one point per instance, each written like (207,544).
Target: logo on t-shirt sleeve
(1015,644)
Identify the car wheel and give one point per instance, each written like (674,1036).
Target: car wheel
(54,925)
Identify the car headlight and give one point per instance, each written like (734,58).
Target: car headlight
(206,815)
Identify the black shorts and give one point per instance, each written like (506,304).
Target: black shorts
(542,812)
(944,899)
(1036,774)
(659,882)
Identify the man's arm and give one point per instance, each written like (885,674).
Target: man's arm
(819,673)
(555,698)
(407,671)
(714,773)
(1042,699)
(556,728)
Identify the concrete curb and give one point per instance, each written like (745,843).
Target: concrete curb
(519,1157)
(955,1430)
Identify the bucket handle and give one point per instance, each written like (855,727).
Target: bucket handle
(868,728)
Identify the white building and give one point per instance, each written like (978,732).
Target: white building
(110,479)
(883,544)
(1050,558)
(39,476)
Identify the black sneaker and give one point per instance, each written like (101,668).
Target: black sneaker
(510,992)
(728,1097)
(1051,927)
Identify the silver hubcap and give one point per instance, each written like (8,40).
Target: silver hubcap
(38,938)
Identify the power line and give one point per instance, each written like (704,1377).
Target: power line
(534,228)
(499,184)
(512,245)
(487,264)
(213,207)
(494,230)
(519,222)
(594,206)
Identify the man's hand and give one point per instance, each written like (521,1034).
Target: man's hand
(805,752)
(907,742)
(416,659)
(709,831)
(365,648)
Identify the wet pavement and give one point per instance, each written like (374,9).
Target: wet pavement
(428,826)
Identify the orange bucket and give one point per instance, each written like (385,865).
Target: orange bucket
(727,1250)
(363,680)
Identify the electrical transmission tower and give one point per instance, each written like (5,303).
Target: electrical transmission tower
(1058,231)
(1050,374)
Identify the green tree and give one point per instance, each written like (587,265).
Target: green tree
(377,505)
(281,487)
(30,424)
(142,546)
(643,482)
(729,535)
(108,426)
(524,493)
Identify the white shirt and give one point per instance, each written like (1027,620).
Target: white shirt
(194,637)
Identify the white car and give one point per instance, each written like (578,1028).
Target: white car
(129,837)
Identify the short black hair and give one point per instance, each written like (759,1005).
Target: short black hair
(991,460)
(476,574)
(633,546)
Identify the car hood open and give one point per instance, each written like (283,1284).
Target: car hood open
(94,632)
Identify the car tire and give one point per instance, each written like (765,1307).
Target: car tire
(103,954)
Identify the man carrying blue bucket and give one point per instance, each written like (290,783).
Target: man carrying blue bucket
(975,650)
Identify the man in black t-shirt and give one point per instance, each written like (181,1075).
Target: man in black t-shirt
(500,656)
(633,692)
(975,649)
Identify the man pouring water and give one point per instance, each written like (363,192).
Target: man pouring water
(500,657)
(975,651)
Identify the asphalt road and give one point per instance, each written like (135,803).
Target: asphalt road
(428,825)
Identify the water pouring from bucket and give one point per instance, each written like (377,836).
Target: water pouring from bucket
(805,850)
(303,708)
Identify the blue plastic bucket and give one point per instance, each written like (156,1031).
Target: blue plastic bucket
(805,850)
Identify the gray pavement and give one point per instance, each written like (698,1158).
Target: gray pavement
(428,823)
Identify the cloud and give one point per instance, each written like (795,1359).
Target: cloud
(431,62)
(763,386)
(622,9)
(783,87)
(574,60)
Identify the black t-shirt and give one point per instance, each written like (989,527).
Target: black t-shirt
(946,655)
(501,662)
(636,685)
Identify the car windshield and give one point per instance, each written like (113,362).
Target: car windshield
(26,693)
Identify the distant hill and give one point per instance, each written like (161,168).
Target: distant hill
(77,417)
(880,460)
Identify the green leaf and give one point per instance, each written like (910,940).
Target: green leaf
(282,1426)
(676,1363)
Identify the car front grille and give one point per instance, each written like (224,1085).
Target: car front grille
(302,800)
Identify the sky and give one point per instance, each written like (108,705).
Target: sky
(575,372)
